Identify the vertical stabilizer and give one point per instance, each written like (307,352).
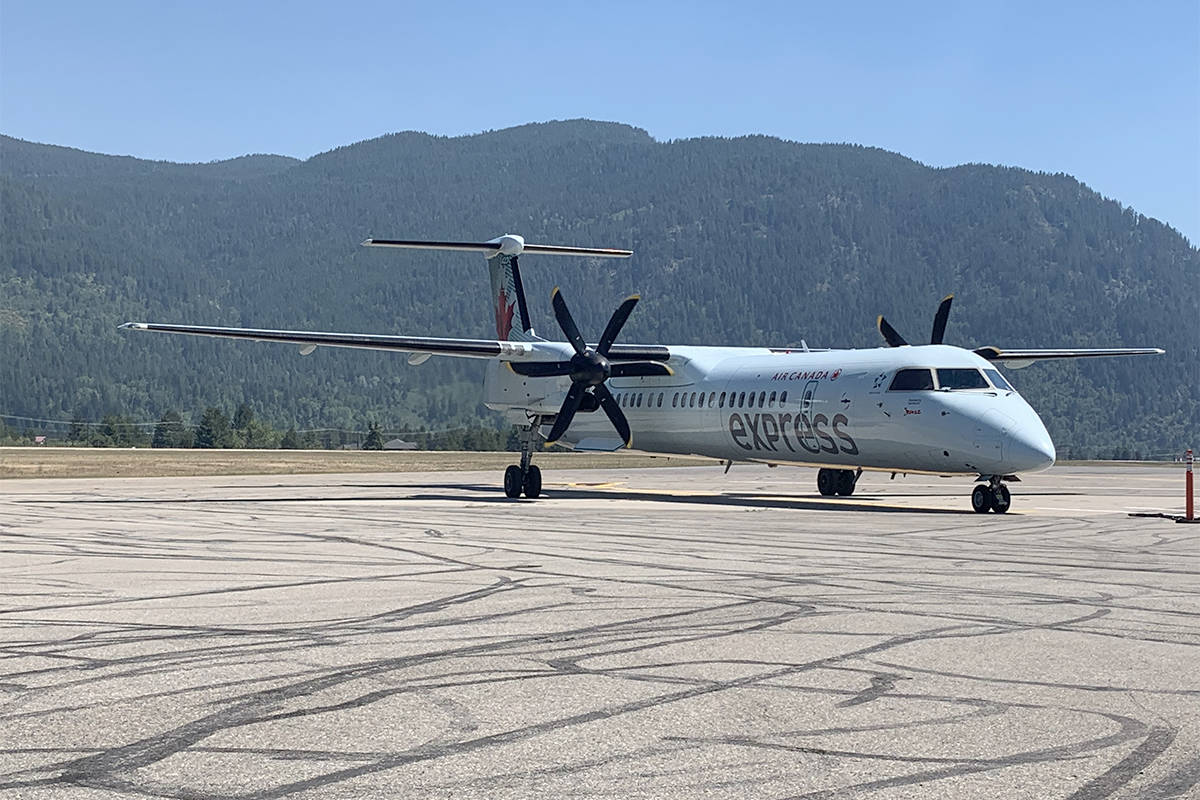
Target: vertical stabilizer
(508,295)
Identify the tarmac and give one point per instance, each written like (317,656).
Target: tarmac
(675,633)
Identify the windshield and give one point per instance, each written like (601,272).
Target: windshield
(908,380)
(998,380)
(961,379)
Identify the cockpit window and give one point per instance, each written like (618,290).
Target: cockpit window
(998,380)
(908,380)
(961,379)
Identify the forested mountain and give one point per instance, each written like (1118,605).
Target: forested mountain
(737,241)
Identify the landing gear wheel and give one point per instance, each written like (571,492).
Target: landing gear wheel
(513,481)
(1001,499)
(827,482)
(533,482)
(845,482)
(981,499)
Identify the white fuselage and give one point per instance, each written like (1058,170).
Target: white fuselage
(831,408)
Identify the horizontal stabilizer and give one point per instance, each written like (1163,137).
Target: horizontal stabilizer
(509,244)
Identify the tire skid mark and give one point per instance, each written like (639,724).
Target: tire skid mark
(951,585)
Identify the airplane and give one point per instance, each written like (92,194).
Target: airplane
(903,408)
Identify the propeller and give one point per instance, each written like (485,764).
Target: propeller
(589,368)
(894,339)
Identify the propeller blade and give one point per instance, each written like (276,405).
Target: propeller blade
(615,414)
(939,320)
(889,333)
(566,321)
(541,369)
(567,412)
(615,323)
(640,369)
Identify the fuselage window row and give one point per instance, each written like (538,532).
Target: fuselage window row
(698,400)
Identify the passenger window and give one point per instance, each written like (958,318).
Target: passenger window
(908,380)
(721,401)
(675,400)
(639,400)
(771,401)
(700,402)
(998,380)
(961,379)
(741,400)
(750,403)
(712,399)
(762,399)
(660,399)
(782,398)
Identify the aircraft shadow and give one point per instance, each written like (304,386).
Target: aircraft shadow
(730,499)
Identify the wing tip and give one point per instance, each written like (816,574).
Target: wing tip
(133,326)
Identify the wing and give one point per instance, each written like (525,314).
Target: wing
(416,345)
(1015,359)
(463,348)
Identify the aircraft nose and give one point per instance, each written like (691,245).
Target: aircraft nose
(1027,446)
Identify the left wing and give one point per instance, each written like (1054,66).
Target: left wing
(1015,359)
(464,348)
(416,345)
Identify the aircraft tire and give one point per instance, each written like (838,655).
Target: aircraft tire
(513,481)
(533,482)
(1001,499)
(981,499)
(827,482)
(845,482)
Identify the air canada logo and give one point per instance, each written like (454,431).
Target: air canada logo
(807,375)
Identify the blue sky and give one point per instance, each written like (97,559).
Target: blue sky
(1108,92)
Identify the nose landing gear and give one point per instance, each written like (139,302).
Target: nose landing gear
(991,496)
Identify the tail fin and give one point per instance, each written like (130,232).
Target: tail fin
(508,295)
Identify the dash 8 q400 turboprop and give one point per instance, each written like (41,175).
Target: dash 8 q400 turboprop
(902,408)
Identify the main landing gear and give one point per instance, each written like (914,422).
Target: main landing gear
(991,496)
(837,481)
(525,477)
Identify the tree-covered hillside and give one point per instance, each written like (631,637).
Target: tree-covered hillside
(737,241)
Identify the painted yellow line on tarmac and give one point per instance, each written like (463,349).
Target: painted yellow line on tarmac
(587,485)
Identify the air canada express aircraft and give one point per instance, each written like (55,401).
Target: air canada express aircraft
(905,408)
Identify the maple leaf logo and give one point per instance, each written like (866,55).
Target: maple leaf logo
(504,315)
